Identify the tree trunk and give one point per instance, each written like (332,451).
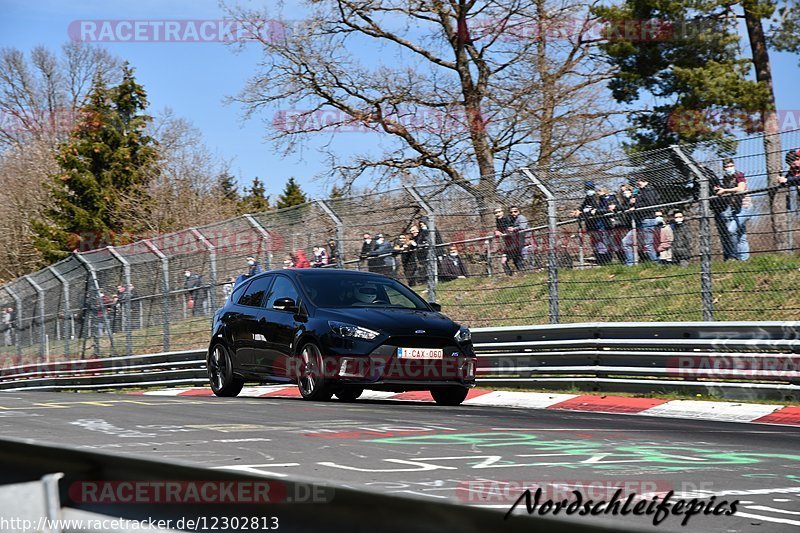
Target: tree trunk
(772,142)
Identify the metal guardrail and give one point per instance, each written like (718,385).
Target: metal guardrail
(753,360)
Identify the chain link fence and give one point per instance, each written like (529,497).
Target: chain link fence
(664,235)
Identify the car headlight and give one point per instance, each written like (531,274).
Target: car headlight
(351,330)
(463,335)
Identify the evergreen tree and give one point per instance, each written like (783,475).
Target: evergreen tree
(291,195)
(228,188)
(107,158)
(255,200)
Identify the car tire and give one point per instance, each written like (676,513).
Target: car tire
(220,373)
(449,395)
(311,382)
(349,394)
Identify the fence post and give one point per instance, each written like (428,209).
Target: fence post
(126,309)
(18,325)
(265,237)
(433,273)
(212,264)
(706,291)
(67,311)
(40,304)
(93,276)
(339,232)
(164,288)
(552,267)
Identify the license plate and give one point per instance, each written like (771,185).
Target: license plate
(420,353)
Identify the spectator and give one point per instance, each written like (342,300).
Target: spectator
(590,214)
(381,258)
(519,223)
(425,231)
(289,261)
(103,304)
(197,299)
(406,247)
(333,252)
(254,267)
(615,221)
(641,203)
(663,239)
(792,177)
(452,266)
(120,304)
(736,212)
(300,260)
(367,246)
(503,231)
(8,326)
(682,240)
(320,257)
(420,247)
(227,288)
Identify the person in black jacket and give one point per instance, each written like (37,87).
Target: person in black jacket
(590,214)
(452,266)
(642,203)
(682,241)
(366,248)
(406,247)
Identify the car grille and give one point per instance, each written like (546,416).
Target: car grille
(421,341)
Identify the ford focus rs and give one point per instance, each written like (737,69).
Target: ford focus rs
(337,332)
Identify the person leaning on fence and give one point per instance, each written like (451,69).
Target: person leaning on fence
(663,240)
(615,221)
(8,326)
(253,267)
(381,259)
(406,248)
(452,266)
(367,245)
(642,202)
(333,252)
(590,214)
(681,239)
(733,212)
(420,248)
(518,226)
(227,288)
(504,231)
(301,260)
(320,257)
(792,176)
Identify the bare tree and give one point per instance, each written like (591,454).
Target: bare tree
(40,96)
(465,90)
(184,192)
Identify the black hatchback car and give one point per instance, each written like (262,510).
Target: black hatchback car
(338,332)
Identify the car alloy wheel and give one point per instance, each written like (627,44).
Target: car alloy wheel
(311,381)
(220,373)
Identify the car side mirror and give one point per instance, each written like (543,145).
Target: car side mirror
(285,304)
(436,307)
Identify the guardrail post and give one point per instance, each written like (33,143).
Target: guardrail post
(433,273)
(67,335)
(18,326)
(552,267)
(339,232)
(127,326)
(40,302)
(265,236)
(99,299)
(212,266)
(706,291)
(164,288)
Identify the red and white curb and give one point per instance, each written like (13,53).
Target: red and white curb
(691,409)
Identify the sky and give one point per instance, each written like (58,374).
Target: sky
(195,79)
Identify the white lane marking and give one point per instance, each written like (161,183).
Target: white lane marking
(258,469)
(723,411)
(781,499)
(418,493)
(769,518)
(772,509)
(376,395)
(530,400)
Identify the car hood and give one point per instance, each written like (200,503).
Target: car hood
(393,321)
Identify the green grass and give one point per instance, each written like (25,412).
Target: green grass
(764,288)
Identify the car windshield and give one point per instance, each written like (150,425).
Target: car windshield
(342,291)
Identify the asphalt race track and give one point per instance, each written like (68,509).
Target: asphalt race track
(473,455)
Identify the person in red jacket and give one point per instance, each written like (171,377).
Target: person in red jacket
(301,261)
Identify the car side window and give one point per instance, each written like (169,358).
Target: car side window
(256,291)
(283,288)
(396,298)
